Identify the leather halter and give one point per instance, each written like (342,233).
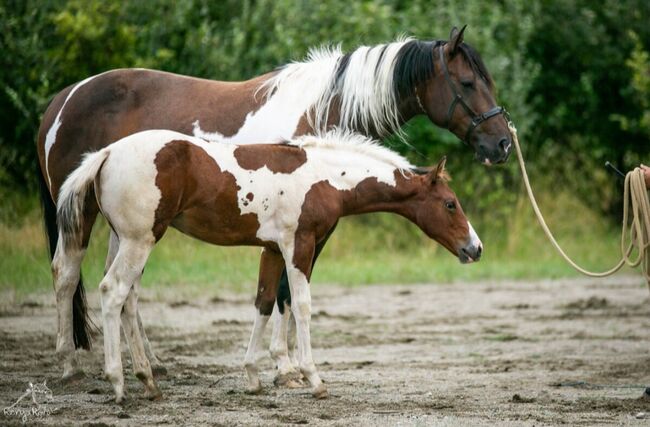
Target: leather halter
(477,119)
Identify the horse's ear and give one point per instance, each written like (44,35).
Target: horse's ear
(45,383)
(438,172)
(455,39)
(440,168)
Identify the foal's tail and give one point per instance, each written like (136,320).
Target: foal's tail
(72,197)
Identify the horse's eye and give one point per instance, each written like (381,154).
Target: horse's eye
(467,83)
(450,205)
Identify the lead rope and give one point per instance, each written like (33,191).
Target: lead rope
(638,229)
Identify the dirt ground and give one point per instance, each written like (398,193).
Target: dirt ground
(507,353)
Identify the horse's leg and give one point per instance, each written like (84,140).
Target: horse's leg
(141,365)
(289,337)
(66,269)
(156,366)
(288,374)
(114,290)
(298,263)
(271,264)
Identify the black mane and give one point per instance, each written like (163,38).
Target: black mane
(414,65)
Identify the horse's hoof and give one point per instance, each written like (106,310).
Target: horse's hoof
(159,371)
(73,377)
(289,380)
(153,394)
(320,392)
(255,390)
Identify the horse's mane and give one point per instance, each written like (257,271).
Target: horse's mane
(346,141)
(369,82)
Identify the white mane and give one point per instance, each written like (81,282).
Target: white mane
(361,81)
(346,141)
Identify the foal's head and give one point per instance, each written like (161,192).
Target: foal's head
(437,211)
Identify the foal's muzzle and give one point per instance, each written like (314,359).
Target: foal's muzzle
(472,249)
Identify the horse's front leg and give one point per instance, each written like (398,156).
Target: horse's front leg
(283,340)
(298,264)
(271,264)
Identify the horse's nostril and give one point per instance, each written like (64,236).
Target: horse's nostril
(479,251)
(504,144)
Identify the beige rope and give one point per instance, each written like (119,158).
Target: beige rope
(635,200)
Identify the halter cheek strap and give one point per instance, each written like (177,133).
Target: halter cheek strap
(476,119)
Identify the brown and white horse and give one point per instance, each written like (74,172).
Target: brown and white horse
(373,90)
(283,197)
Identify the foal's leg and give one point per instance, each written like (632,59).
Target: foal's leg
(114,290)
(298,265)
(271,264)
(284,342)
(113,246)
(141,365)
(66,268)
(288,373)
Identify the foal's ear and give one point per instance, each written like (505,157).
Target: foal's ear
(438,172)
(455,39)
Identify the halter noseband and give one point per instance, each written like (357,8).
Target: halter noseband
(477,119)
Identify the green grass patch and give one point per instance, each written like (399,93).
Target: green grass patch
(377,248)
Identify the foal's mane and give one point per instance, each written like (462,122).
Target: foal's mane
(343,141)
(369,82)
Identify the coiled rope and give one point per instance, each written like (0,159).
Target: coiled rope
(635,232)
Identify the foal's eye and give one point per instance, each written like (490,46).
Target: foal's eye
(450,205)
(467,83)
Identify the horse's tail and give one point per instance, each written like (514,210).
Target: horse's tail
(72,197)
(69,215)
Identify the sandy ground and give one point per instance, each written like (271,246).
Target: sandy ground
(508,353)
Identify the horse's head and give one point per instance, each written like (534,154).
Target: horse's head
(460,97)
(437,211)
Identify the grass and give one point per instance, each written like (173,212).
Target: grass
(378,248)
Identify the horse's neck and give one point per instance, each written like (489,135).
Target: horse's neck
(372,195)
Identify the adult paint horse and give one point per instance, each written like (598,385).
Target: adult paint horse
(285,198)
(373,90)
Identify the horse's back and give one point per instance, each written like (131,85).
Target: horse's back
(97,111)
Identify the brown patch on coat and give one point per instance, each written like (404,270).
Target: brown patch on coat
(271,266)
(277,158)
(199,199)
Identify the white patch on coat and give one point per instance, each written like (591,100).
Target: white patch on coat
(50,137)
(474,240)
(278,119)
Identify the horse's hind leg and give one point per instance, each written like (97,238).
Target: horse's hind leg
(66,268)
(156,367)
(66,271)
(271,265)
(114,290)
(141,365)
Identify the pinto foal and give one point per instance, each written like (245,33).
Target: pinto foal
(283,197)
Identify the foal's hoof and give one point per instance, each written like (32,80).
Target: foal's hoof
(288,380)
(159,371)
(73,377)
(254,390)
(320,392)
(153,394)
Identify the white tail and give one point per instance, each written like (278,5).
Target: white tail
(72,196)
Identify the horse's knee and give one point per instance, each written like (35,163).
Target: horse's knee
(301,306)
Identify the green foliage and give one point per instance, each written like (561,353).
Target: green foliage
(573,73)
